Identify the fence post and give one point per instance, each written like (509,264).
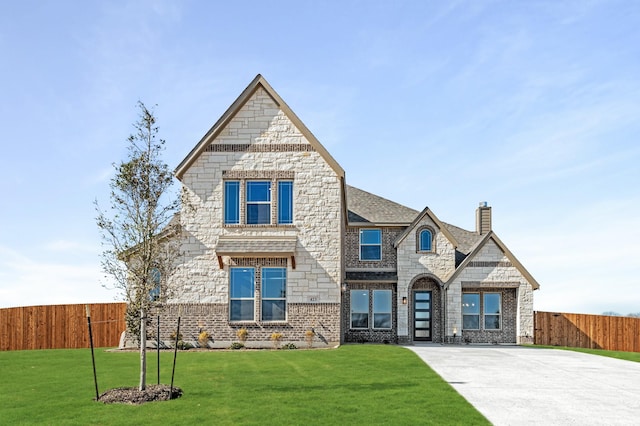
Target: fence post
(93,359)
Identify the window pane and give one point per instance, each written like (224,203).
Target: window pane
(274,283)
(470,303)
(273,310)
(241,285)
(425,240)
(370,236)
(232,202)
(381,301)
(422,315)
(285,202)
(359,301)
(241,310)
(492,322)
(471,322)
(492,303)
(259,191)
(359,320)
(381,320)
(370,252)
(423,295)
(258,214)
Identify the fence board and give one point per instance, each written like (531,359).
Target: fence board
(60,326)
(587,331)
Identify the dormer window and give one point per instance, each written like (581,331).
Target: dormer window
(425,241)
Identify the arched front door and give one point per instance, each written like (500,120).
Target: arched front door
(426,310)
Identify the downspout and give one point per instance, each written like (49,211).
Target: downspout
(444,312)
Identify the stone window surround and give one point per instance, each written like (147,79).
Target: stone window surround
(433,239)
(257,264)
(481,315)
(242,176)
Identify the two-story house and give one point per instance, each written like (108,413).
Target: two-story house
(276,241)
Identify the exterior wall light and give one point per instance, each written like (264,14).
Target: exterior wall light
(404,300)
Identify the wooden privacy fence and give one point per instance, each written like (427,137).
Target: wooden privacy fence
(61,326)
(587,331)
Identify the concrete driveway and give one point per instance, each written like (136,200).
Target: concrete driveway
(513,385)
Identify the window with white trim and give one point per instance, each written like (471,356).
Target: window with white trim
(471,311)
(486,316)
(492,308)
(241,294)
(274,294)
(382,309)
(258,202)
(359,308)
(370,244)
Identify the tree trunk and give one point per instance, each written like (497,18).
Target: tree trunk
(143,349)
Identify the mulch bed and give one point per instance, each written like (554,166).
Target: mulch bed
(136,397)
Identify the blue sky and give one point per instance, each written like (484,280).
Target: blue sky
(531,106)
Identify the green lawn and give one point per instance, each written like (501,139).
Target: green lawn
(628,356)
(354,384)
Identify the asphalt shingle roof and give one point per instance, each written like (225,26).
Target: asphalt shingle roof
(366,207)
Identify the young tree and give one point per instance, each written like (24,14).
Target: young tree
(139,230)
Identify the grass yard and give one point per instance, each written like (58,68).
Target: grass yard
(628,356)
(354,384)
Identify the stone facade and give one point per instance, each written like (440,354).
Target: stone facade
(260,139)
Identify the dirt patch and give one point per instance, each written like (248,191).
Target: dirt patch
(136,397)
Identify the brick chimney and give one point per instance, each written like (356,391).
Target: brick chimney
(483,218)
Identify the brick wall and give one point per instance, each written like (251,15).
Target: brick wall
(507,334)
(324,318)
(352,248)
(370,334)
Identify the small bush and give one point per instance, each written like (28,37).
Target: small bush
(242,334)
(308,337)
(289,346)
(236,345)
(276,338)
(203,338)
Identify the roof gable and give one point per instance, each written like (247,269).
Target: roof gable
(427,213)
(257,83)
(491,236)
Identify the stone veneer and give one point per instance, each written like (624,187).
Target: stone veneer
(438,265)
(283,151)
(498,273)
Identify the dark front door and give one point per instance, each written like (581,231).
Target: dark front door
(422,315)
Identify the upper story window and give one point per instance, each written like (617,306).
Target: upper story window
(258,202)
(285,202)
(262,205)
(370,244)
(232,202)
(425,240)
(154,293)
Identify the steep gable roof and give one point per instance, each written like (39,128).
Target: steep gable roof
(493,237)
(364,207)
(258,82)
(427,213)
(466,239)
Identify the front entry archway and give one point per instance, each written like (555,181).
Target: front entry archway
(425,316)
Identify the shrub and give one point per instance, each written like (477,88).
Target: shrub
(236,345)
(203,338)
(242,334)
(276,338)
(289,346)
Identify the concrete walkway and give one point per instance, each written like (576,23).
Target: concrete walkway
(513,385)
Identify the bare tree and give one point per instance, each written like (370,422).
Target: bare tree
(139,229)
